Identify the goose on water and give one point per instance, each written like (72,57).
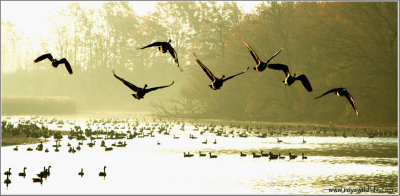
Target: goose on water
(8,173)
(216,82)
(140,92)
(342,92)
(23,174)
(289,79)
(165,47)
(261,66)
(55,62)
(103,173)
(81,173)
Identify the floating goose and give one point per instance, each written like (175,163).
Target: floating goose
(140,92)
(81,173)
(38,179)
(302,156)
(280,157)
(16,148)
(292,156)
(164,47)
(216,82)
(55,62)
(7,181)
(273,156)
(8,173)
(212,156)
(202,154)
(256,155)
(342,92)
(261,66)
(23,174)
(242,154)
(103,173)
(289,78)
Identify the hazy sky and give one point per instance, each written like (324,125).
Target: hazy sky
(32,17)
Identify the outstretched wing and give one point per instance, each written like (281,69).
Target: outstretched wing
(153,44)
(230,77)
(45,56)
(173,54)
(128,84)
(67,65)
(305,81)
(252,53)
(275,55)
(282,67)
(351,100)
(327,92)
(155,88)
(205,69)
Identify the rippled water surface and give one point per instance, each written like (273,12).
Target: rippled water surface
(144,167)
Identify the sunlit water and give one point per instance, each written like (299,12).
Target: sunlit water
(143,167)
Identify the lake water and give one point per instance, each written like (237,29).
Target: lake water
(144,167)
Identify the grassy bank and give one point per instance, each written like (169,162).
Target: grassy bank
(9,141)
(37,105)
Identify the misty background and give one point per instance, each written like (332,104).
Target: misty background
(335,44)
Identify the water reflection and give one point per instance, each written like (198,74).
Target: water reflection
(138,165)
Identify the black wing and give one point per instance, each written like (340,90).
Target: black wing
(153,44)
(351,100)
(230,77)
(305,81)
(128,84)
(258,61)
(45,56)
(205,69)
(275,55)
(330,91)
(282,67)
(155,88)
(173,54)
(67,65)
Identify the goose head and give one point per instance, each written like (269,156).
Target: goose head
(223,76)
(145,86)
(169,41)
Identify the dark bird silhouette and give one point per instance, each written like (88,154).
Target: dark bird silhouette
(216,82)
(81,173)
(55,62)
(7,181)
(261,66)
(342,92)
(165,47)
(289,78)
(8,173)
(23,174)
(140,92)
(103,173)
(40,179)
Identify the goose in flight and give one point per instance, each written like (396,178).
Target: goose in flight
(140,92)
(261,66)
(342,92)
(55,62)
(216,82)
(289,78)
(164,47)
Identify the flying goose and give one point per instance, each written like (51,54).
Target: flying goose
(140,92)
(216,82)
(261,66)
(342,92)
(55,62)
(164,47)
(289,78)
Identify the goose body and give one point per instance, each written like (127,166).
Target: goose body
(16,148)
(280,157)
(8,173)
(278,140)
(103,173)
(187,155)
(264,154)
(212,156)
(23,174)
(242,154)
(140,92)
(202,154)
(273,156)
(292,156)
(256,155)
(40,179)
(81,173)
(342,92)
(165,47)
(216,82)
(261,66)
(7,181)
(289,79)
(55,62)
(302,156)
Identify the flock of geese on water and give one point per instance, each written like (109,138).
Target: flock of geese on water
(141,132)
(216,82)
